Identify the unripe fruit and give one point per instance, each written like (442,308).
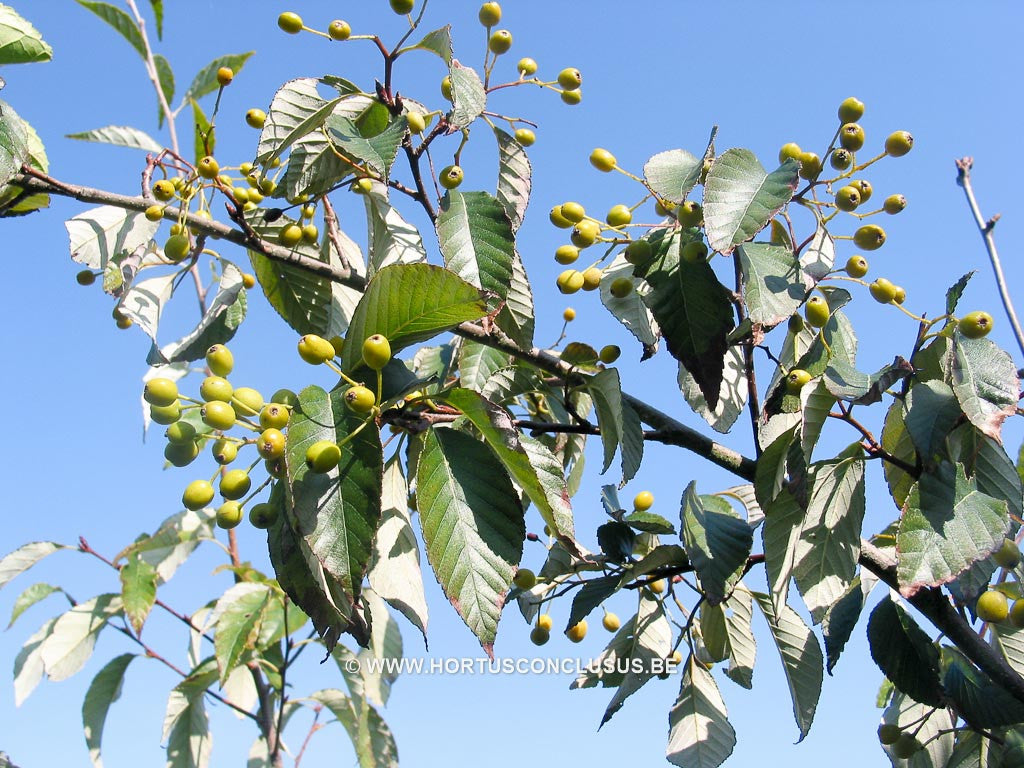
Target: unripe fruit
(611,622)
(816,311)
(310,234)
(180,432)
(176,248)
(290,22)
(225,75)
(224,451)
(795,380)
(992,606)
(894,204)
(569,281)
(262,516)
(218,414)
(85,277)
(216,388)
(906,746)
(376,351)
(690,214)
(555,217)
(314,349)
(572,212)
(643,501)
(851,110)
(566,254)
(900,296)
(840,159)
(865,189)
(401,7)
(1008,555)
(323,456)
(271,443)
(197,494)
(657,587)
(525,578)
(975,325)
(208,168)
(795,323)
(274,416)
(181,455)
(247,401)
(220,360)
(417,123)
(577,632)
(446,87)
(160,392)
(585,233)
(234,484)
(621,287)
(360,399)
(694,252)
(570,79)
(451,176)
(592,279)
(490,14)
(500,41)
(568,314)
(851,137)
(339,30)
(165,414)
(810,166)
(603,160)
(229,514)
(527,66)
(882,290)
(290,235)
(856,266)
(123,321)
(539,636)
(638,252)
(545,622)
(154,213)
(898,143)
(1017,614)
(848,198)
(888,733)
(609,354)
(619,215)
(790,151)
(572,98)
(285,397)
(362,186)
(163,190)
(870,237)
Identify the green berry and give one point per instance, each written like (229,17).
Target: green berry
(1017,614)
(906,746)
(314,349)
(555,217)
(816,311)
(603,160)
(154,213)
(160,392)
(163,190)
(310,234)
(197,494)
(417,123)
(888,733)
(451,176)
(570,79)
(165,414)
(638,252)
(840,159)
(1008,555)
(539,635)
(500,41)
(224,76)
(572,98)
(899,143)
(229,514)
(894,204)
(690,214)
(290,22)
(323,456)
(569,314)
(208,168)
(271,443)
(401,7)
(882,290)
(234,484)
(180,432)
(856,266)
(276,468)
(851,110)
(621,287)
(181,455)
(218,415)
(592,278)
(865,189)
(572,212)
(848,198)
(176,248)
(643,501)
(446,88)
(339,30)
(975,325)
(290,235)
(224,451)
(795,380)
(263,516)
(569,281)
(851,137)
(524,578)
(585,233)
(577,632)
(790,151)
(216,388)
(85,277)
(619,215)
(376,351)
(566,254)
(694,252)
(611,622)
(870,237)
(274,416)
(609,354)
(810,166)
(900,295)
(360,399)
(285,397)
(527,66)
(247,401)
(489,14)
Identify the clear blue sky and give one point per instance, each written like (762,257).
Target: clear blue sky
(657,75)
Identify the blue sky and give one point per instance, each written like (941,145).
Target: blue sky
(657,75)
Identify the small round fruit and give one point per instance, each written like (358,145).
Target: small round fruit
(285,397)
(790,151)
(856,266)
(220,361)
(218,414)
(216,388)
(572,212)
(526,66)
(165,414)
(621,287)
(840,159)
(401,7)
(569,281)
(992,606)
(489,14)
(870,237)
(417,123)
(376,351)
(539,636)
(638,252)
(123,321)
(274,416)
(882,290)
(500,41)
(898,143)
(290,235)
(270,443)
(360,399)
(446,88)
(619,215)
(234,484)
(224,451)
(906,746)
(208,167)
(810,166)
(545,622)
(975,325)
(85,277)
(229,514)
(900,296)
(795,380)
(1008,555)
(290,22)
(247,401)
(851,110)
(690,214)
(568,314)
(314,349)
(611,622)
(248,280)
(643,501)
(577,632)
(851,136)
(609,354)
(197,494)
(848,198)
(525,137)
(181,455)
(176,248)
(572,98)
(603,160)
(894,204)
(816,311)
(323,456)
(585,233)
(163,190)
(694,252)
(154,213)
(592,278)
(795,324)
(160,392)
(1017,614)
(263,515)
(525,578)
(556,217)
(180,432)
(865,189)
(225,75)
(310,234)
(339,30)
(888,733)
(570,79)
(657,587)
(566,254)
(451,176)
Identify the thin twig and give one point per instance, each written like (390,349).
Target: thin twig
(154,76)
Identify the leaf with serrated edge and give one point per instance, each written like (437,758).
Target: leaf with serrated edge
(103,691)
(144,302)
(71,642)
(739,611)
(20,43)
(28,664)
(24,557)
(120,21)
(98,235)
(119,136)
(631,310)
(673,173)
(469,95)
(138,590)
(391,239)
(716,544)
(700,735)
(819,256)
(905,653)
(29,597)
(439,41)
(732,395)
(514,177)
(237,616)
(985,382)
(189,740)
(606,390)
(773,286)
(206,80)
(934,729)
(842,616)
(296,110)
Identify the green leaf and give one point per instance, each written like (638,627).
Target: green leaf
(700,735)
(819,255)
(24,557)
(28,664)
(609,669)
(13,145)
(224,314)
(70,644)
(630,310)
(956,291)
(932,412)
(740,197)
(101,235)
(145,300)
(816,403)
(385,646)
(120,21)
(846,383)
(478,244)
(239,613)
(985,382)
(904,653)
(694,313)
(206,80)
(616,541)
(119,136)
(395,573)
(739,612)
(478,362)
(138,590)
(158,14)
(296,111)
(773,286)
(947,524)
(717,542)
(648,522)
(204,137)
(165,76)
(801,659)
(606,390)
(186,726)
(410,303)
(377,152)
(771,467)
(840,619)
(29,597)
(370,735)
(896,441)
(976,698)
(103,691)
(439,41)
(672,174)
(469,96)
(20,43)
(473,527)
(175,539)
(391,239)
(514,177)
(732,394)
(591,594)
(986,460)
